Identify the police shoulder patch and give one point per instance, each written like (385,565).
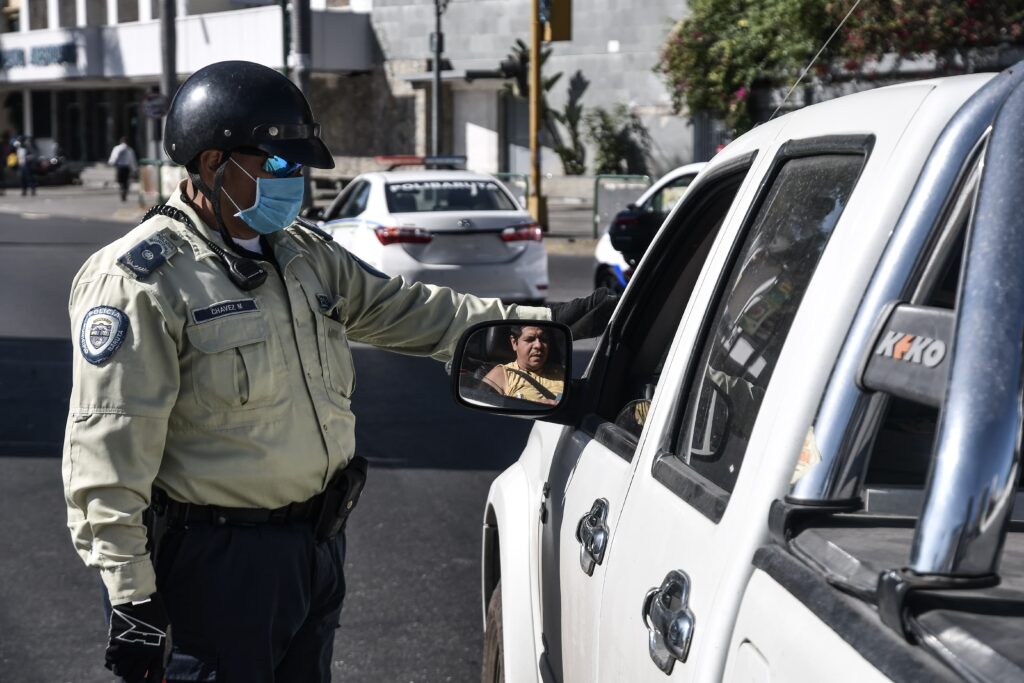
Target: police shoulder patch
(103,331)
(148,255)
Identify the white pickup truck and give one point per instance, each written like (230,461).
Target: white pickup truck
(795,453)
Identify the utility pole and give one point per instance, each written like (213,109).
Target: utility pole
(168,83)
(301,59)
(437,47)
(301,63)
(169,40)
(535,202)
(286,35)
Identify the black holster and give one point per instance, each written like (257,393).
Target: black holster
(339,499)
(155,519)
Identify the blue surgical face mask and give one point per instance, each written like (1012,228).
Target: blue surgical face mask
(278,202)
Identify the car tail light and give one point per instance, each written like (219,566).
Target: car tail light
(392,235)
(529,232)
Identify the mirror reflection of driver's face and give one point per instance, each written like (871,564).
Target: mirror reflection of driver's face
(531,348)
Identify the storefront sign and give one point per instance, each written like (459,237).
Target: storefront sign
(46,55)
(41,55)
(12,58)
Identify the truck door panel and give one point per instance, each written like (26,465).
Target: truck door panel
(687,512)
(593,465)
(795,647)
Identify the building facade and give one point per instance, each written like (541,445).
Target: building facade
(615,45)
(78,71)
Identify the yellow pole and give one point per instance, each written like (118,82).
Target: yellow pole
(535,204)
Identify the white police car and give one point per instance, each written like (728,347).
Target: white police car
(640,220)
(459,229)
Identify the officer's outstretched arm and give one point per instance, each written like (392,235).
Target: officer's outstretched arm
(126,379)
(414,318)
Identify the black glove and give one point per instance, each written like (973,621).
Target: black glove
(587,316)
(140,641)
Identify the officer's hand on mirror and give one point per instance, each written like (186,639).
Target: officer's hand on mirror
(140,641)
(587,316)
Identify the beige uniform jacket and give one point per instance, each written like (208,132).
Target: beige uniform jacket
(221,396)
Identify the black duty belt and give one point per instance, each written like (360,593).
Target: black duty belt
(327,511)
(189,513)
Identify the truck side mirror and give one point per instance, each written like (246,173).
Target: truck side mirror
(513,367)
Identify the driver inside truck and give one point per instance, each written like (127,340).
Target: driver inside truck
(535,374)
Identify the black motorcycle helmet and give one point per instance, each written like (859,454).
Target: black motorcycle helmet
(235,104)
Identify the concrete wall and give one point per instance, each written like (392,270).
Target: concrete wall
(615,44)
(367,114)
(475,120)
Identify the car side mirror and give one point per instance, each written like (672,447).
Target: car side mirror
(514,367)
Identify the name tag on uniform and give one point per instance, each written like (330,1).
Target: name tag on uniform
(219,310)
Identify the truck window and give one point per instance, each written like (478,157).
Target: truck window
(755,311)
(664,200)
(656,301)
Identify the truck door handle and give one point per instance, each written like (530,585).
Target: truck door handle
(669,620)
(592,533)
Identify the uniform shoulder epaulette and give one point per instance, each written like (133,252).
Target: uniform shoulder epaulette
(147,256)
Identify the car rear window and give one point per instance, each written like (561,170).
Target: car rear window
(447,195)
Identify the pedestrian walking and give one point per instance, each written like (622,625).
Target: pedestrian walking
(27,158)
(209,460)
(122,158)
(8,159)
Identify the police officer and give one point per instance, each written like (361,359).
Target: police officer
(212,385)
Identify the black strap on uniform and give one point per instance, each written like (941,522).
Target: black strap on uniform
(314,228)
(245,273)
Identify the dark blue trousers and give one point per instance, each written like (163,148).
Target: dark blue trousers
(251,604)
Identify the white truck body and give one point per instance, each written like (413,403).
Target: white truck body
(706,542)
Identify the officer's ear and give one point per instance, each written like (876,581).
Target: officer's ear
(208,162)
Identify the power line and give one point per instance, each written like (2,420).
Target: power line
(813,60)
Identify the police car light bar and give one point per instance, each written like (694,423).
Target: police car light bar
(446,161)
(449,161)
